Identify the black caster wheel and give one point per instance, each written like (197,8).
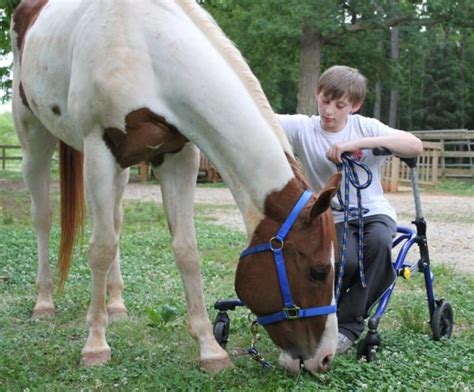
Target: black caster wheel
(442,321)
(368,347)
(221,328)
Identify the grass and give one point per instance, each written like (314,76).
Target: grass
(151,350)
(456,187)
(7,130)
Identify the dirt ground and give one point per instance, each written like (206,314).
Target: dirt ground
(450,219)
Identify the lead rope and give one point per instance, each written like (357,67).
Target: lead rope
(253,352)
(348,167)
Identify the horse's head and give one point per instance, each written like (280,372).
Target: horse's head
(306,331)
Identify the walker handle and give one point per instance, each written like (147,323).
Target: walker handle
(382,151)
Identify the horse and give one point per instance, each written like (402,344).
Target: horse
(117,82)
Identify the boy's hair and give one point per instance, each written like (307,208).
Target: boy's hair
(339,81)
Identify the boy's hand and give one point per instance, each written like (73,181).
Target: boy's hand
(335,151)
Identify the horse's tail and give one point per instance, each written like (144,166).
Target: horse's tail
(72,206)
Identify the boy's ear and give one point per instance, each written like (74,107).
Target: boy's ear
(356,107)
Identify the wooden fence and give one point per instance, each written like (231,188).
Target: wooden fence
(448,153)
(9,153)
(207,172)
(396,172)
(457,146)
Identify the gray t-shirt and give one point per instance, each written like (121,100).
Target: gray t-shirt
(310,143)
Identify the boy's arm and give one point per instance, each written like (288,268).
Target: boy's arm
(400,143)
(377,134)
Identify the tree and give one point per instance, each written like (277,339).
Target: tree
(269,44)
(443,89)
(288,42)
(6,11)
(316,29)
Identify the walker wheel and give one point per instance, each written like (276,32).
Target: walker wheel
(368,347)
(442,321)
(221,328)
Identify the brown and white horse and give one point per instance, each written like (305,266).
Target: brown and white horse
(123,81)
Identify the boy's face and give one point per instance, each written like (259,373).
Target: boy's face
(334,112)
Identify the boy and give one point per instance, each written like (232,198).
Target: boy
(319,141)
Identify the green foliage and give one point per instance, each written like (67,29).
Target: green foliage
(270,45)
(7,130)
(163,315)
(433,80)
(152,350)
(434,75)
(6,10)
(443,88)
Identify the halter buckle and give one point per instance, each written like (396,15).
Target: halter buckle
(292,313)
(276,244)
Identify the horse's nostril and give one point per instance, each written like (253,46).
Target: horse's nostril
(301,362)
(325,362)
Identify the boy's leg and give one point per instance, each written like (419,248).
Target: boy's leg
(348,310)
(355,300)
(378,241)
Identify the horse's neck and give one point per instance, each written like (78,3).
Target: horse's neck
(186,71)
(217,103)
(277,204)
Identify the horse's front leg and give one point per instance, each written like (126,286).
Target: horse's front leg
(100,175)
(178,175)
(116,307)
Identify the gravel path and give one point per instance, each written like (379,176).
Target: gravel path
(450,219)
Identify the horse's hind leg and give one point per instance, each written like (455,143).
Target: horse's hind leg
(38,146)
(101,175)
(178,175)
(116,307)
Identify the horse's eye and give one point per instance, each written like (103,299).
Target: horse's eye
(318,274)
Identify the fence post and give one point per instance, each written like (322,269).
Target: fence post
(395,174)
(434,165)
(143,171)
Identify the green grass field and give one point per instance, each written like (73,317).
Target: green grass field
(151,350)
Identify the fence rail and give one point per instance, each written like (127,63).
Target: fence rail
(457,157)
(448,153)
(207,172)
(5,156)
(395,172)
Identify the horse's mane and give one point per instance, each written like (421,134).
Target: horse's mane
(328,229)
(297,171)
(229,52)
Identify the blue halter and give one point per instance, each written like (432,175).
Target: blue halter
(275,245)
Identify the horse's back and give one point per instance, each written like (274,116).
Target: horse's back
(77,69)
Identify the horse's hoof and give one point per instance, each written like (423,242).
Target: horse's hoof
(215,365)
(95,358)
(43,312)
(116,313)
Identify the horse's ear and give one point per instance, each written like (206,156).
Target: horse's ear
(324,200)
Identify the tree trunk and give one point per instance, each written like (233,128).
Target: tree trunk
(310,70)
(393,111)
(462,58)
(377,100)
(394,92)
